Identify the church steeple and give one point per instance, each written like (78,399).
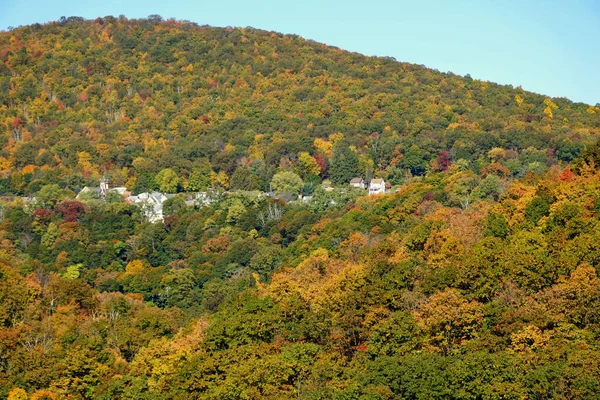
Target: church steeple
(103,186)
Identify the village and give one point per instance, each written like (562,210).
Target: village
(152,203)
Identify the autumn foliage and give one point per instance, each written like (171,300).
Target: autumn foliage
(475,276)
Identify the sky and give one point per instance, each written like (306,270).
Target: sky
(550,47)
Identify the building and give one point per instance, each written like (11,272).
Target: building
(200,199)
(103,187)
(89,189)
(377,186)
(358,183)
(102,190)
(151,204)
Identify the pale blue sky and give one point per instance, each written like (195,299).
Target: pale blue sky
(546,46)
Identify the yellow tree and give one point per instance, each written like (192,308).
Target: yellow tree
(307,165)
(220,179)
(448,317)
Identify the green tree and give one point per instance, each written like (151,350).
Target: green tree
(199,179)
(178,288)
(496,225)
(242,179)
(265,261)
(537,208)
(167,180)
(49,195)
(397,335)
(235,210)
(73,271)
(415,160)
(489,187)
(343,166)
(286,182)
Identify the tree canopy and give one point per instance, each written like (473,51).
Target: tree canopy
(475,276)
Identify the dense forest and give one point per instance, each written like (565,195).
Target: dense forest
(475,277)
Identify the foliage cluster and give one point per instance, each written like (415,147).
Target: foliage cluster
(171,105)
(478,278)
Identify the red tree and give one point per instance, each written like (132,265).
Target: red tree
(70,210)
(322,164)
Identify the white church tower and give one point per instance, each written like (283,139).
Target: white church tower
(103,186)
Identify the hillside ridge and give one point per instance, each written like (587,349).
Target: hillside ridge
(92,97)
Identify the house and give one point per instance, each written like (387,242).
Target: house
(358,183)
(151,204)
(97,192)
(200,199)
(122,190)
(102,190)
(377,186)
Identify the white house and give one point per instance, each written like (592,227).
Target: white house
(122,190)
(151,204)
(377,186)
(358,183)
(200,199)
(102,190)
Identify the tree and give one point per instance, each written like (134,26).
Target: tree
(220,179)
(242,179)
(235,211)
(71,210)
(73,271)
(496,225)
(144,183)
(49,195)
(489,187)
(343,166)
(178,288)
(397,335)
(577,297)
(537,208)
(460,188)
(199,179)
(17,125)
(167,180)
(13,296)
(286,182)
(322,163)
(443,160)
(415,160)
(307,165)
(265,261)
(173,205)
(17,394)
(449,317)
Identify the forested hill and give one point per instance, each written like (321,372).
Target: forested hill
(127,98)
(475,276)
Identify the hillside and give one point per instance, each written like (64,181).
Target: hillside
(126,98)
(476,275)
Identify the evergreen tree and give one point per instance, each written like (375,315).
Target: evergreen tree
(344,165)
